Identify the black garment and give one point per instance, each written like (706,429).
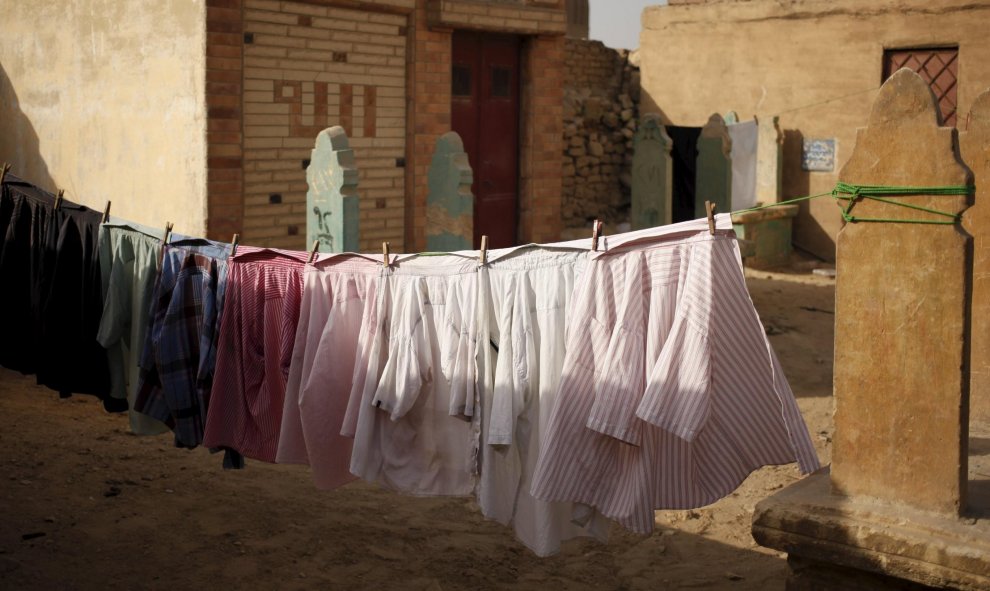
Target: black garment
(685,164)
(72,359)
(52,293)
(22,272)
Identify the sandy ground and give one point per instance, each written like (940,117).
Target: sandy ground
(86,505)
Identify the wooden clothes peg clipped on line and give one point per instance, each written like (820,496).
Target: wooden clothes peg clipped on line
(168,232)
(710,213)
(312,253)
(385,253)
(596,230)
(106,213)
(233,244)
(483,255)
(58,198)
(4,170)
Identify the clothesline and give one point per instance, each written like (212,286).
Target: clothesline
(851,194)
(560,386)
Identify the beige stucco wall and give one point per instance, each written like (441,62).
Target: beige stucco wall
(105,99)
(816,63)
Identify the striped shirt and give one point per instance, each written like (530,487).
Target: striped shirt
(336,291)
(670,392)
(257,333)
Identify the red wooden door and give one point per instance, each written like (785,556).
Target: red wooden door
(485,113)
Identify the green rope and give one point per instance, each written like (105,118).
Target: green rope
(876,192)
(853,193)
(788,202)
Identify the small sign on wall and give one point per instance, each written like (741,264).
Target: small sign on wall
(818,155)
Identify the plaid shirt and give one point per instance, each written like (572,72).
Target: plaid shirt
(180,349)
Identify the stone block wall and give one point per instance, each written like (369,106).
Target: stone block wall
(600,96)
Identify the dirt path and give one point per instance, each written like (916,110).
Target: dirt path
(86,505)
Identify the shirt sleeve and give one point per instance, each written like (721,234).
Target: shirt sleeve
(115,322)
(408,369)
(501,423)
(619,384)
(678,395)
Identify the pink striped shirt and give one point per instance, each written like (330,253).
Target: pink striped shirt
(261,310)
(671,394)
(336,291)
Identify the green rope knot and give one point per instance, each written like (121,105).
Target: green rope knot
(853,193)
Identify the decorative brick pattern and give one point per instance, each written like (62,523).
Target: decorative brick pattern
(281,71)
(312,66)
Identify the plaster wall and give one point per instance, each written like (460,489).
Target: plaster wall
(815,63)
(106,100)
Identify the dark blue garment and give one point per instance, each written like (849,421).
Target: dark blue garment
(180,350)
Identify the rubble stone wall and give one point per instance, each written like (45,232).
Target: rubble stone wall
(601,93)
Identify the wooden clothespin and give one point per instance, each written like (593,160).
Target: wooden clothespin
(385,253)
(3,171)
(58,198)
(756,119)
(596,230)
(106,213)
(483,255)
(168,232)
(312,253)
(710,213)
(233,244)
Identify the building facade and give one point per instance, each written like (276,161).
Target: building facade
(815,64)
(205,114)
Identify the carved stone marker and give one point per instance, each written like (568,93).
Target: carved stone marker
(332,198)
(652,174)
(892,509)
(974,144)
(714,173)
(450,204)
(901,314)
(769,160)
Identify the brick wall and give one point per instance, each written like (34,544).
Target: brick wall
(279,72)
(541,139)
(429,116)
(308,67)
(224,88)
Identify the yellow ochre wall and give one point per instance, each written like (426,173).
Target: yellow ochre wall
(106,100)
(816,63)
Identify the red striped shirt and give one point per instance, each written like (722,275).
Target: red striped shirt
(261,311)
(671,394)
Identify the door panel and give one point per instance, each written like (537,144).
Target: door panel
(485,113)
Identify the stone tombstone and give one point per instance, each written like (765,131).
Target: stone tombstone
(713,178)
(332,198)
(901,314)
(450,204)
(769,160)
(974,143)
(652,174)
